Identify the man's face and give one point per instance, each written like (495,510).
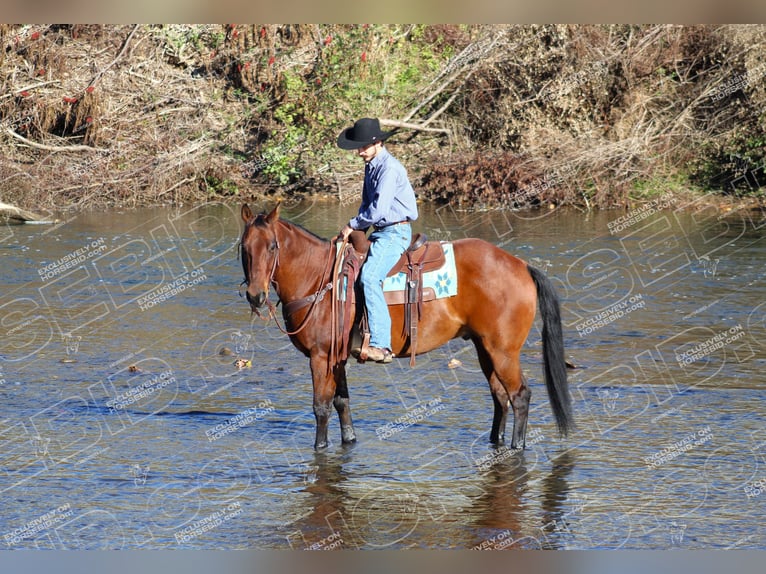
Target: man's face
(369,151)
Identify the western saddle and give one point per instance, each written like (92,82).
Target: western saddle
(421,256)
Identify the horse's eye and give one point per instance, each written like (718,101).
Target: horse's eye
(272,246)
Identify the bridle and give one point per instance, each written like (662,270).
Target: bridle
(290,306)
(246,260)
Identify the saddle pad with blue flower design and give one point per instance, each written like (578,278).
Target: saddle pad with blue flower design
(442,282)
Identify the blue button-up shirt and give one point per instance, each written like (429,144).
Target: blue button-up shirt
(387,196)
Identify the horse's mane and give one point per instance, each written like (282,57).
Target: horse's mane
(303,230)
(260,221)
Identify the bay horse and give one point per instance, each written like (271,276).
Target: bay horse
(495,308)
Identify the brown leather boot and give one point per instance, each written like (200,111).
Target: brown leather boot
(379,355)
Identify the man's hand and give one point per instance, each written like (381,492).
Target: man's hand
(345,232)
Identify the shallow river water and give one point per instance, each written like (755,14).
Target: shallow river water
(122,425)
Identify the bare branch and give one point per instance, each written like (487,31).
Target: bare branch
(68,148)
(27,88)
(18,214)
(113,62)
(179,184)
(412,126)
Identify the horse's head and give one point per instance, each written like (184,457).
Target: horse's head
(260,254)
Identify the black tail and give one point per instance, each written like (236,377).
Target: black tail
(554,364)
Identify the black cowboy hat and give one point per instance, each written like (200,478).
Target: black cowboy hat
(364,132)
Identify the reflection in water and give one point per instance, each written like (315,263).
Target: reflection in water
(340,514)
(504,512)
(504,487)
(555,496)
(323,527)
(506,504)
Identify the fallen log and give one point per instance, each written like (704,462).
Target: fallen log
(16,214)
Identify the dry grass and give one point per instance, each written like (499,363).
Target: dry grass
(521,115)
(112,122)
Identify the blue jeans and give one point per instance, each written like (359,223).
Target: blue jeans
(387,246)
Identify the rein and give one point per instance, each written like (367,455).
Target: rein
(293,306)
(334,314)
(312,299)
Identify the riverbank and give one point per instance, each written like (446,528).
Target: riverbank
(483,116)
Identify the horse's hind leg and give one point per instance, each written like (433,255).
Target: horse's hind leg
(500,400)
(508,369)
(499,395)
(520,403)
(341,403)
(507,383)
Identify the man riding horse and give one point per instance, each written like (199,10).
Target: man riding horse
(388,206)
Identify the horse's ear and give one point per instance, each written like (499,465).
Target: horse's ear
(274,215)
(247,215)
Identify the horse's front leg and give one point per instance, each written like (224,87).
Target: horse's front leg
(342,404)
(324,392)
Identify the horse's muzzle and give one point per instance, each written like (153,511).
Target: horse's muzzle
(257,301)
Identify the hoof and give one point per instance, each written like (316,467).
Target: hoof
(348,435)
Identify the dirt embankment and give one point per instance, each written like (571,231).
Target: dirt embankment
(509,116)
